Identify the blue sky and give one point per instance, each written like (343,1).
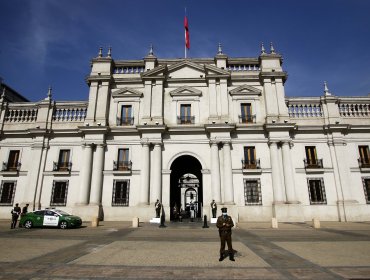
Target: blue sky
(51,42)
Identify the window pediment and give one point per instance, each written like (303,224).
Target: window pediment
(127,92)
(245,90)
(186,91)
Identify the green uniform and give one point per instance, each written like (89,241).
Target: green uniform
(224,224)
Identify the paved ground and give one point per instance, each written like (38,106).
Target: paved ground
(114,250)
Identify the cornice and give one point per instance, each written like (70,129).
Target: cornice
(219,127)
(152,128)
(280,74)
(98,78)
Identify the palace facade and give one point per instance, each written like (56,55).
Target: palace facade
(182,130)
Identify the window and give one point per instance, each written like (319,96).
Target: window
(123,163)
(13,161)
(7,192)
(121,189)
(126,115)
(366,184)
(250,161)
(59,193)
(311,160)
(185,114)
(246,113)
(252,192)
(316,191)
(63,161)
(364,159)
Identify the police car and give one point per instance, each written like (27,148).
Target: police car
(49,218)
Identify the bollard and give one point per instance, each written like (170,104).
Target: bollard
(316,223)
(162,225)
(274,223)
(205,225)
(135,222)
(95,222)
(180,219)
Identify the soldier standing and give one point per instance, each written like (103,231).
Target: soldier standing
(224,224)
(214,208)
(15,214)
(158,206)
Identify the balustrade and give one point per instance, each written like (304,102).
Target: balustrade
(69,114)
(305,110)
(251,164)
(122,165)
(129,70)
(21,115)
(354,110)
(243,67)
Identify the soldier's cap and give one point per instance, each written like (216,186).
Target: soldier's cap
(224,210)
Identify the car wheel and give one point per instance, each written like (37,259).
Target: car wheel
(63,225)
(28,224)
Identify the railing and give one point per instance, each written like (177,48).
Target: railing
(185,119)
(69,114)
(363,163)
(21,115)
(15,167)
(313,163)
(247,119)
(125,121)
(251,164)
(122,165)
(354,110)
(305,110)
(243,67)
(62,166)
(129,70)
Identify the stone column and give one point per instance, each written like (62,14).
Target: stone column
(212,99)
(86,175)
(228,180)
(215,175)
(276,185)
(288,173)
(144,174)
(97,176)
(156,183)
(224,99)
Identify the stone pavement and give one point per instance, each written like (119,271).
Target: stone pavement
(115,250)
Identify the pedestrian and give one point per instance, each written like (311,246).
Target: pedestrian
(158,207)
(214,208)
(24,212)
(25,209)
(15,214)
(224,225)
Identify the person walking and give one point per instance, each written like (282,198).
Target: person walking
(224,225)
(15,214)
(214,208)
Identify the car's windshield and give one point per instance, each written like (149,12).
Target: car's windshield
(60,212)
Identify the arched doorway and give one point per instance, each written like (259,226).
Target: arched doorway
(186,188)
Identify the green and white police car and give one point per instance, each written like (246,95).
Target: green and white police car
(49,218)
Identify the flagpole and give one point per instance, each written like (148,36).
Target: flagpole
(185,37)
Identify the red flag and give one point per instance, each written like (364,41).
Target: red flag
(187,38)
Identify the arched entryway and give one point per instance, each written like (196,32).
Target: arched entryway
(186,187)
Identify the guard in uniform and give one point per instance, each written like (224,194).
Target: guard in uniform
(214,208)
(158,207)
(15,214)
(224,224)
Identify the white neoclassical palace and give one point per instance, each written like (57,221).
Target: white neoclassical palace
(189,130)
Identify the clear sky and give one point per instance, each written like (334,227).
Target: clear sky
(51,42)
